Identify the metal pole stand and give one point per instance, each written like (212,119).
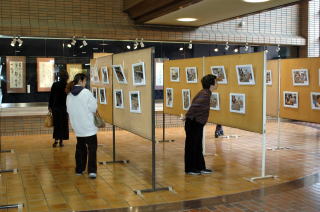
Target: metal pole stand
(164,130)
(114,151)
(263,164)
(278,147)
(19,206)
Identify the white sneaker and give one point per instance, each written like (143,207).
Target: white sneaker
(92,175)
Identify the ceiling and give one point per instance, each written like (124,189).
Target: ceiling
(211,11)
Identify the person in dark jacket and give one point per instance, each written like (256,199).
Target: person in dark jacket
(196,118)
(57,105)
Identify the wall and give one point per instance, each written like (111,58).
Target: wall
(105,19)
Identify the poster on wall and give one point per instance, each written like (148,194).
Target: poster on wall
(174,74)
(315,100)
(237,103)
(73,70)
(220,73)
(191,75)
(214,101)
(118,72)
(45,74)
(245,75)
(300,77)
(16,74)
(269,77)
(104,75)
(134,98)
(118,98)
(290,99)
(102,95)
(169,97)
(138,74)
(185,99)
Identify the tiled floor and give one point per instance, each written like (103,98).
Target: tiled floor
(46,180)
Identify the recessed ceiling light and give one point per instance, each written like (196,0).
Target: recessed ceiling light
(255,1)
(187,19)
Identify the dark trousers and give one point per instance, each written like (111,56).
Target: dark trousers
(84,145)
(193,157)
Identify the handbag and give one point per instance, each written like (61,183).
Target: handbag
(48,121)
(98,121)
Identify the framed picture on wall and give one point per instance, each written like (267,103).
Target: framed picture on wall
(268,77)
(138,74)
(191,74)
(169,97)
(315,100)
(220,73)
(73,70)
(300,77)
(174,74)
(238,103)
(214,101)
(135,106)
(185,99)
(94,92)
(104,75)
(16,74)
(102,95)
(118,71)
(290,99)
(118,98)
(245,74)
(45,74)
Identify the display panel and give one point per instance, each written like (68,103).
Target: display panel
(45,74)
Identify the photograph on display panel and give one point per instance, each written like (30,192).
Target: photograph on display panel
(300,77)
(315,100)
(45,74)
(214,101)
(118,98)
(220,73)
(104,75)
(118,72)
(169,97)
(191,75)
(319,76)
(186,99)
(174,74)
(138,74)
(95,73)
(94,92)
(134,98)
(290,99)
(102,95)
(245,74)
(237,103)
(268,77)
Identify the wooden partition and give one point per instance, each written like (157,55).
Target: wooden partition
(137,123)
(252,120)
(105,110)
(273,89)
(304,112)
(177,87)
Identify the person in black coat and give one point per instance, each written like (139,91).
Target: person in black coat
(57,105)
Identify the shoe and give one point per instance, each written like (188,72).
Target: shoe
(78,174)
(93,175)
(221,133)
(206,171)
(54,144)
(193,173)
(61,144)
(216,135)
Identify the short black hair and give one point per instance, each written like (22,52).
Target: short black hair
(208,80)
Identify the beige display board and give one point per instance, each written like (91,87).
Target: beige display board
(137,123)
(73,69)
(252,119)
(105,110)
(177,87)
(273,89)
(45,74)
(304,112)
(16,74)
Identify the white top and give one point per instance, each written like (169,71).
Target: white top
(81,109)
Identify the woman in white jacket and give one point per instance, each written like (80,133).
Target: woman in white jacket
(81,106)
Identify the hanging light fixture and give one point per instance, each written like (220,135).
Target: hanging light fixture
(246,47)
(141,43)
(181,49)
(13,42)
(190,45)
(136,44)
(20,41)
(278,48)
(216,49)
(84,43)
(227,46)
(128,46)
(236,50)
(73,41)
